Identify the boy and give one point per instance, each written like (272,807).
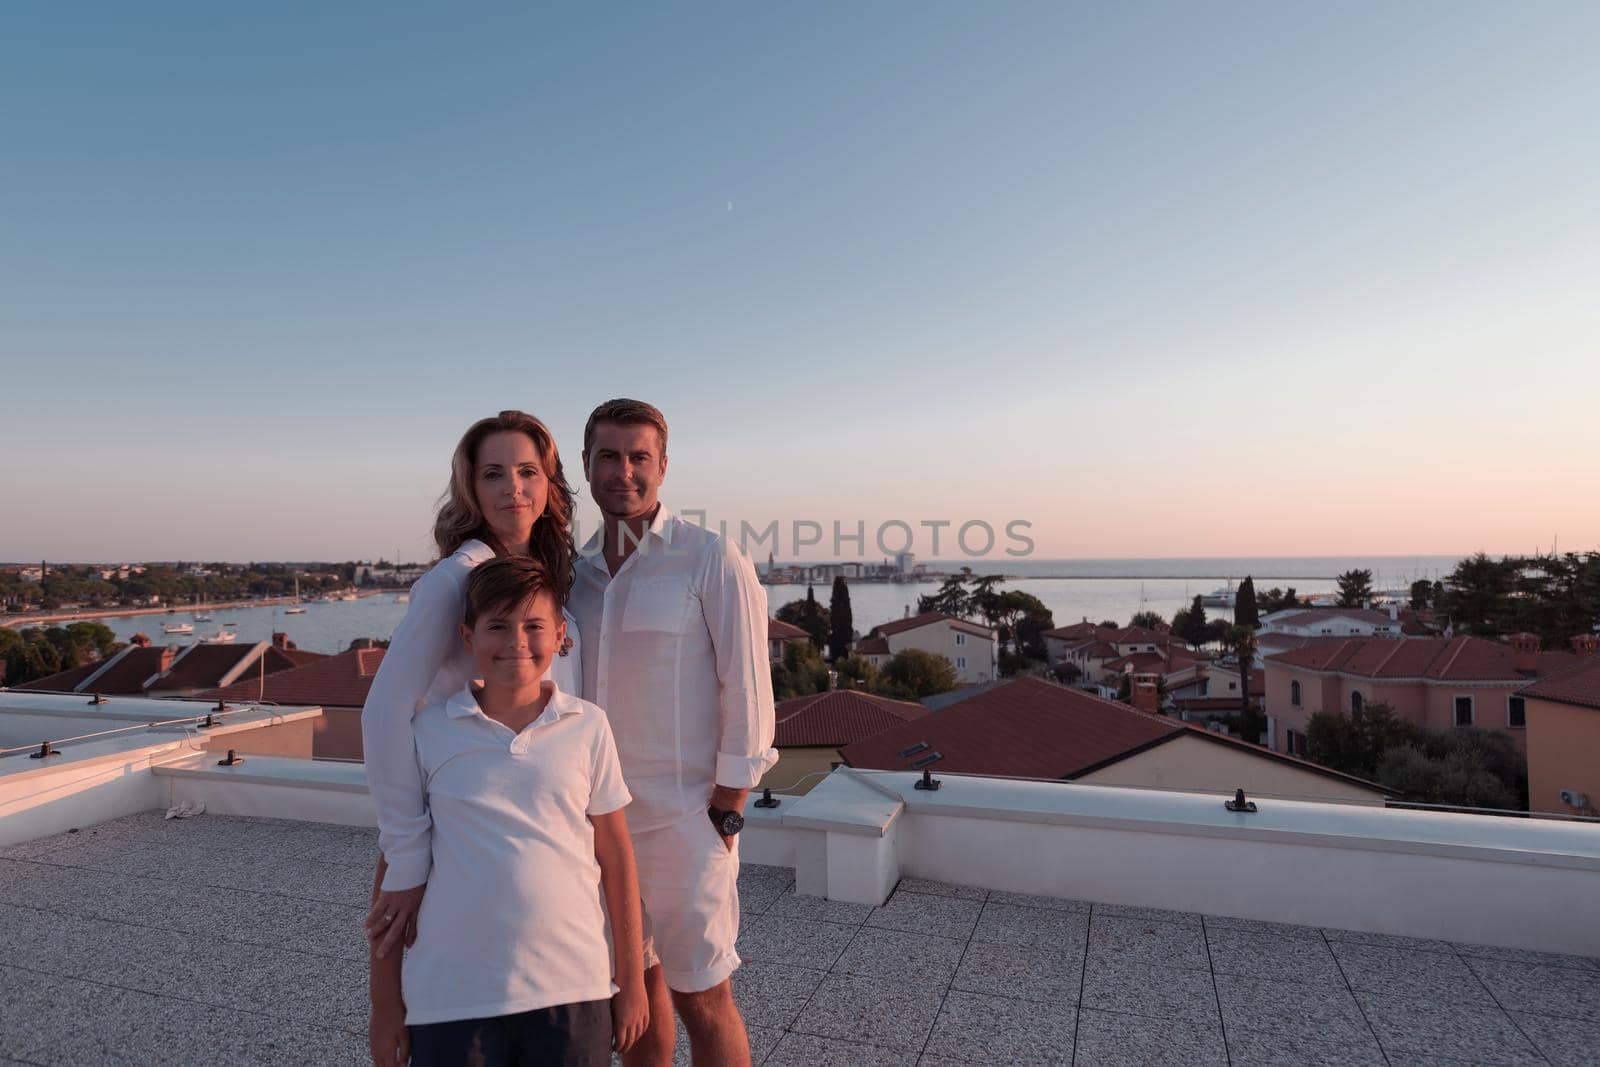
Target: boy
(511,963)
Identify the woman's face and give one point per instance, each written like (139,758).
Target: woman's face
(509,484)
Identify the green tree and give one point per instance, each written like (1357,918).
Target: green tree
(1149,620)
(801,673)
(841,623)
(1356,744)
(1109,624)
(913,674)
(1018,615)
(1421,594)
(1194,624)
(1067,672)
(856,672)
(809,616)
(1355,588)
(1245,612)
(952,598)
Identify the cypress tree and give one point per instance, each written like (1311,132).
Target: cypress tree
(841,624)
(1245,612)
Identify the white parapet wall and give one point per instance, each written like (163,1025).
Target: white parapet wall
(1515,882)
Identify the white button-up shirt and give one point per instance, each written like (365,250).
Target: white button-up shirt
(512,919)
(677,655)
(426,661)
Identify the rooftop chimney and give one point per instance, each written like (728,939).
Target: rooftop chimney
(1144,692)
(1394,612)
(1585,644)
(1525,652)
(140,640)
(280,639)
(168,654)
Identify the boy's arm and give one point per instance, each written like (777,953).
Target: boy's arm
(619,881)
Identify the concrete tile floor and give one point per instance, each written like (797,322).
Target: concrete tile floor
(227,940)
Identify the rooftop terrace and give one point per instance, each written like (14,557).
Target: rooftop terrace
(222,939)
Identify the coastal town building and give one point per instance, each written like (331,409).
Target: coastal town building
(973,649)
(780,635)
(1031,728)
(1333,622)
(1562,712)
(1105,655)
(810,731)
(1433,682)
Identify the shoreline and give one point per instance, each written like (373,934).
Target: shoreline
(17,622)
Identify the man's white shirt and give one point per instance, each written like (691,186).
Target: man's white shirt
(676,646)
(426,662)
(512,920)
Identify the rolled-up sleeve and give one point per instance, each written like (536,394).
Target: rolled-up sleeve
(735,611)
(419,646)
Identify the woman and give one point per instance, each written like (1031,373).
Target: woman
(507,496)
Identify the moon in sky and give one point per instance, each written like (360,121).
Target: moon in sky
(730,205)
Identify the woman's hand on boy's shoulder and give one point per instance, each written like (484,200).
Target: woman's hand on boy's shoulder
(387,1037)
(630,1014)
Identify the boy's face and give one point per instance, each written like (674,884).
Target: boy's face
(513,646)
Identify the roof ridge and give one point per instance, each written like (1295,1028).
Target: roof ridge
(1464,640)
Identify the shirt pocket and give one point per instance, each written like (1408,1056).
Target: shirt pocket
(659,604)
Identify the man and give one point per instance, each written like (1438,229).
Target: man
(673,626)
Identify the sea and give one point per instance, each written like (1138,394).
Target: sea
(1073,590)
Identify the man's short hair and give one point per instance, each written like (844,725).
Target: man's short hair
(625,412)
(505,583)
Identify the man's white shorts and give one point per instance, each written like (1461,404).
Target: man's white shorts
(689,884)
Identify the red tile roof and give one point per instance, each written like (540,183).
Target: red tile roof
(338,681)
(778,630)
(1029,728)
(1316,616)
(66,681)
(203,666)
(1577,683)
(124,675)
(1457,659)
(872,646)
(1077,631)
(929,618)
(839,717)
(1129,635)
(1024,728)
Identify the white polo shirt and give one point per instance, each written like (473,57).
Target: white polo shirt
(512,920)
(426,661)
(676,652)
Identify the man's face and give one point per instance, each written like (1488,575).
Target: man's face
(512,647)
(625,467)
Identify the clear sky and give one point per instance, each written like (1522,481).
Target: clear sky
(1198,279)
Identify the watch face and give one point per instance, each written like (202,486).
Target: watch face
(732,823)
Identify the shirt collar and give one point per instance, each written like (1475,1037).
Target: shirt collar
(464,704)
(593,551)
(475,551)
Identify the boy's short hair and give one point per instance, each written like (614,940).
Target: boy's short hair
(625,412)
(506,582)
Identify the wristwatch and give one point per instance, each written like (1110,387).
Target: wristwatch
(728,823)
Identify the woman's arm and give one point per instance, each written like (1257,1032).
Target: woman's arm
(387,1038)
(630,1009)
(422,641)
(426,635)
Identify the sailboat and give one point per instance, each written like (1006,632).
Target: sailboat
(200,614)
(296,609)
